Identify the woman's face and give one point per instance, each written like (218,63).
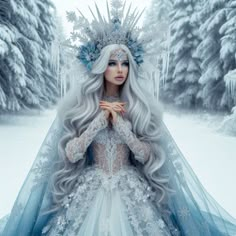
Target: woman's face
(118,68)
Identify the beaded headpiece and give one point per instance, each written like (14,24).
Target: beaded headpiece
(118,28)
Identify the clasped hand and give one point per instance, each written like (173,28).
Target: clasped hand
(112,108)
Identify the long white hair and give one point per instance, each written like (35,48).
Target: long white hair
(81,105)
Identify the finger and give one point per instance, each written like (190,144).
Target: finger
(108,108)
(123,103)
(114,116)
(106,103)
(117,108)
(105,106)
(120,105)
(103,102)
(120,109)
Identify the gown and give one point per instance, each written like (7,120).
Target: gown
(111,196)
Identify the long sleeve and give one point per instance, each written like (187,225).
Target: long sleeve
(140,149)
(76,147)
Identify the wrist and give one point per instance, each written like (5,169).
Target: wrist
(104,117)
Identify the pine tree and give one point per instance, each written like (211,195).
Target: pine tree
(157,19)
(212,92)
(229,122)
(26,21)
(228,39)
(47,30)
(182,84)
(12,70)
(26,78)
(228,50)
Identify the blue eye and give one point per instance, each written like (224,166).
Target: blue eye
(114,63)
(125,64)
(111,63)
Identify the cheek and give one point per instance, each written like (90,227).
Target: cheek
(108,72)
(127,71)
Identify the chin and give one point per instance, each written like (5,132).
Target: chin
(118,82)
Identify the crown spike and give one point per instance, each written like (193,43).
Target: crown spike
(99,14)
(132,19)
(83,16)
(133,16)
(81,13)
(137,19)
(108,13)
(94,17)
(125,21)
(123,9)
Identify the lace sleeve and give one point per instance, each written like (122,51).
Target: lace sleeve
(77,146)
(140,149)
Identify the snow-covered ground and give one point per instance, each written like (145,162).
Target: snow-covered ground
(211,154)
(20,139)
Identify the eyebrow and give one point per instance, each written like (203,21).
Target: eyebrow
(113,60)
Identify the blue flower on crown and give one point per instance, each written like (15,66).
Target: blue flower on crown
(88,53)
(136,50)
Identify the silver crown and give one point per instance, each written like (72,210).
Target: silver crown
(118,28)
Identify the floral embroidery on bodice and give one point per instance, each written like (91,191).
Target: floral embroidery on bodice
(110,153)
(111,143)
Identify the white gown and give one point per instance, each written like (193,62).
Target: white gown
(111,197)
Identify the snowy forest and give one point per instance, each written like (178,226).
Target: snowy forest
(27,77)
(196,62)
(197,54)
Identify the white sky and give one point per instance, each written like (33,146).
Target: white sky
(82,5)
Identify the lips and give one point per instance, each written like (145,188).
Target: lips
(119,78)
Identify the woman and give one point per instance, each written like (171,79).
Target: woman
(118,193)
(118,169)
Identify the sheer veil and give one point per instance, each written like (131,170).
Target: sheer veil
(189,208)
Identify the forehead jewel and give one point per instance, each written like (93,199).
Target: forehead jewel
(119,55)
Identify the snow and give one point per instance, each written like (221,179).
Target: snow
(212,155)
(20,139)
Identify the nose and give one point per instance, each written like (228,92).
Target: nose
(119,67)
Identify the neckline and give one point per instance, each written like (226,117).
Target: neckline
(111,97)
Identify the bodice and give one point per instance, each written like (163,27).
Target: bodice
(110,152)
(111,143)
